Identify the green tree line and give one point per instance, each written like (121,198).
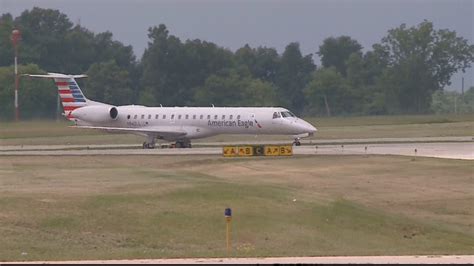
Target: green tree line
(404,73)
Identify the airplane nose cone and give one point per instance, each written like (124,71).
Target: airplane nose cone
(310,129)
(307,127)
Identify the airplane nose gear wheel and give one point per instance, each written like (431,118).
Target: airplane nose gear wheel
(297,142)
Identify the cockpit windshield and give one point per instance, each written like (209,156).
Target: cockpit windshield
(287,114)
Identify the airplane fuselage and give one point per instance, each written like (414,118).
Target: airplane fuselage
(201,122)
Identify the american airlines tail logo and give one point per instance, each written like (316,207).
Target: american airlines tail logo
(71,96)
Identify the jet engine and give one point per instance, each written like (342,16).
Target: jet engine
(96,113)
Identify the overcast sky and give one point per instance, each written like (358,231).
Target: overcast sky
(272,23)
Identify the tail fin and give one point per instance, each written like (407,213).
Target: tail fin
(69,92)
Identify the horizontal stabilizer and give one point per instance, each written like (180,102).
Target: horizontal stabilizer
(56,76)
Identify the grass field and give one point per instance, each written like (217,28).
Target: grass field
(51,132)
(116,207)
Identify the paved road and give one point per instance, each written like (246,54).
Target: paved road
(467,259)
(449,150)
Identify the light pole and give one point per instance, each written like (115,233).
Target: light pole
(16,37)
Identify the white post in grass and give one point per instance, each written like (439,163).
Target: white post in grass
(15,38)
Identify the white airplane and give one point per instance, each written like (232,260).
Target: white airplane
(177,124)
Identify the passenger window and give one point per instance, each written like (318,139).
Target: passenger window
(215,117)
(231,116)
(128,116)
(164,116)
(143,116)
(194,117)
(149,116)
(201,117)
(135,117)
(172,116)
(187,116)
(238,117)
(208,116)
(156,116)
(223,117)
(179,116)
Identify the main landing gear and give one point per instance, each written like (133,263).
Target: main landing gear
(150,143)
(147,145)
(185,143)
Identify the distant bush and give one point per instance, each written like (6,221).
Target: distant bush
(444,102)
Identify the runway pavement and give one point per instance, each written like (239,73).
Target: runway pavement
(448,150)
(461,259)
(248,142)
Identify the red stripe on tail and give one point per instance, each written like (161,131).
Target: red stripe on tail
(70,108)
(62,83)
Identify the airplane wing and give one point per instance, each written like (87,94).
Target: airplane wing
(166,132)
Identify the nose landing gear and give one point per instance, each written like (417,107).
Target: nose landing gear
(297,142)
